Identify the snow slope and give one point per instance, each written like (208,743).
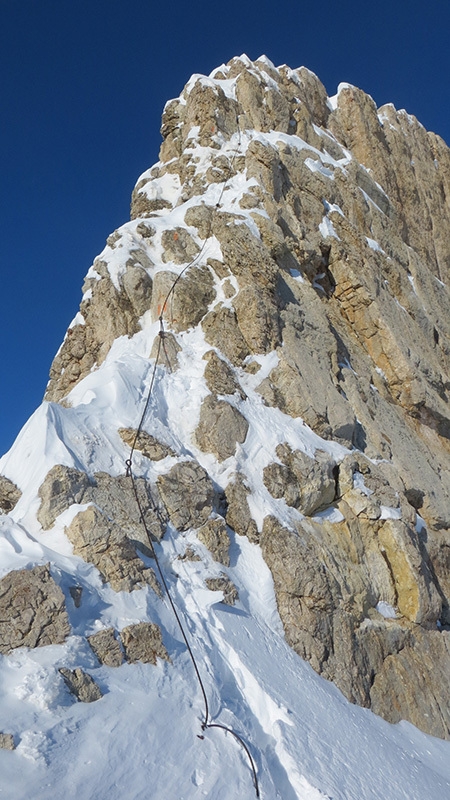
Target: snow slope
(140,740)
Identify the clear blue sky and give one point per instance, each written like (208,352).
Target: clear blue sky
(83,84)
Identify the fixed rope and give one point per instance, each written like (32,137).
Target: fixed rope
(206,722)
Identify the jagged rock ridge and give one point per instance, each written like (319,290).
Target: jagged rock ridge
(321,295)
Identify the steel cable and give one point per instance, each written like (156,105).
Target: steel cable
(206,724)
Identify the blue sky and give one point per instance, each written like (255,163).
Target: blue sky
(83,84)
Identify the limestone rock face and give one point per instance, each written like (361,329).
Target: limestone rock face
(106,312)
(108,532)
(329,581)
(32,610)
(300,246)
(406,688)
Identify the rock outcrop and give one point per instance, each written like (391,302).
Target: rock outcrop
(106,647)
(32,610)
(82,685)
(143,642)
(10,495)
(109,532)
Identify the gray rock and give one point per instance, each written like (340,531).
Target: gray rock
(189,555)
(182,302)
(101,541)
(238,515)
(219,377)
(222,331)
(10,495)
(82,685)
(143,642)
(308,484)
(200,217)
(213,534)
(76,593)
(145,443)
(106,647)
(188,495)
(178,246)
(7,741)
(32,610)
(221,428)
(166,348)
(62,487)
(225,585)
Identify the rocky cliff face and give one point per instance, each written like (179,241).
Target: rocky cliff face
(315,309)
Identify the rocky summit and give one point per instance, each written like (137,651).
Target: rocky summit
(270,338)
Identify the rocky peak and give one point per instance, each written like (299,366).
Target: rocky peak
(295,249)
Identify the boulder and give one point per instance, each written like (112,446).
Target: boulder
(308,484)
(219,377)
(238,514)
(145,443)
(143,642)
(220,429)
(82,685)
(213,534)
(106,647)
(178,246)
(7,741)
(225,585)
(222,331)
(188,494)
(32,610)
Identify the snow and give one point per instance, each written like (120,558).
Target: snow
(326,228)
(333,207)
(141,739)
(374,245)
(386,610)
(317,166)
